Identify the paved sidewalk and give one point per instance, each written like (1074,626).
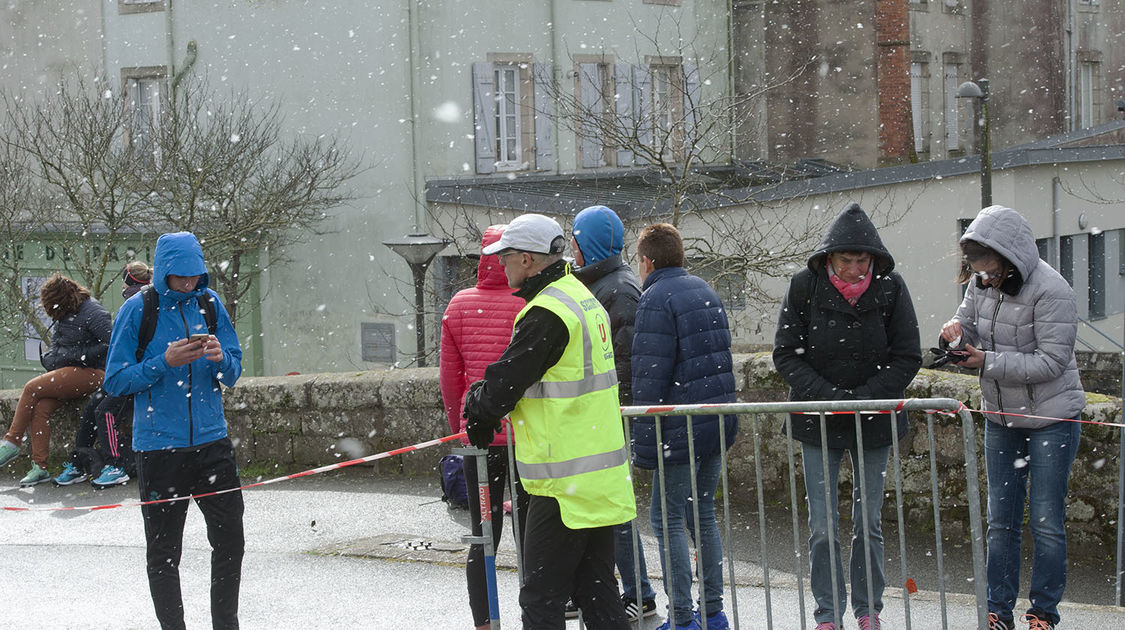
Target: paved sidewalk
(342,549)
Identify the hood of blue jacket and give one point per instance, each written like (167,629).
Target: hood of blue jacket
(178,254)
(599,232)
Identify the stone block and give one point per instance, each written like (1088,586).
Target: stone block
(352,390)
(270,393)
(412,389)
(405,426)
(288,420)
(276,447)
(313,451)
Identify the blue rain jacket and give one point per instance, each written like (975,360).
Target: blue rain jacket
(173,407)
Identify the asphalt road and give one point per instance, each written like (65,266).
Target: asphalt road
(350,549)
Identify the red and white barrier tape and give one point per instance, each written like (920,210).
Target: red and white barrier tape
(306,473)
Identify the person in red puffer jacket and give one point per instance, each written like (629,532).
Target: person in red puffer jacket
(475,331)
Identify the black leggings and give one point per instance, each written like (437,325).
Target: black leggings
(102,426)
(497,482)
(182,472)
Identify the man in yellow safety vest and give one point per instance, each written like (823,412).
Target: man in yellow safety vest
(557,381)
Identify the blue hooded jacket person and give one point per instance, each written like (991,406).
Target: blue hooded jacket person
(165,416)
(600,236)
(179,430)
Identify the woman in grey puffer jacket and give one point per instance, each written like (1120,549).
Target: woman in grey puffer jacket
(1018,323)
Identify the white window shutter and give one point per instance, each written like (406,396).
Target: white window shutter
(642,107)
(484,116)
(590,98)
(952,130)
(623,89)
(544,109)
(692,107)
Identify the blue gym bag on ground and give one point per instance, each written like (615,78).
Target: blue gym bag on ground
(453,481)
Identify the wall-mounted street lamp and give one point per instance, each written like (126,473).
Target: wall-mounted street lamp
(419,251)
(979,90)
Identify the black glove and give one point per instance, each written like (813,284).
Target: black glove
(471,396)
(481,432)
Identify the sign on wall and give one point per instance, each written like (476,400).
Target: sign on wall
(32,340)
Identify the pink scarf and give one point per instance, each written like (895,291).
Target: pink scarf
(851,292)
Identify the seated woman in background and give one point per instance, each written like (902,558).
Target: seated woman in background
(75,366)
(102,450)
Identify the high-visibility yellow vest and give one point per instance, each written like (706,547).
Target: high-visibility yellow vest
(570,443)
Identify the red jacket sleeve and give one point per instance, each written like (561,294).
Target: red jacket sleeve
(451,372)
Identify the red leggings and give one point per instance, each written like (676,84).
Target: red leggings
(41,396)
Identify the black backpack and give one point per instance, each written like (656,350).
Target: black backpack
(149,314)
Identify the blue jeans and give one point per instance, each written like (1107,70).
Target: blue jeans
(623,555)
(1012,455)
(677,489)
(874,473)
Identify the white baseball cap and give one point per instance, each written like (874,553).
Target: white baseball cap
(530,233)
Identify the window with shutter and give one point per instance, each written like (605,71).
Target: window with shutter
(146,99)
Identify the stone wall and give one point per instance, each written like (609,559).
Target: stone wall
(1101,372)
(297,422)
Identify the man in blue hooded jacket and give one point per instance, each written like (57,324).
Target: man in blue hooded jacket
(179,430)
(597,239)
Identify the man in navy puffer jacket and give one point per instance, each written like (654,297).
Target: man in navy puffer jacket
(681,355)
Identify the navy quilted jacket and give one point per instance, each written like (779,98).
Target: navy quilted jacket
(681,355)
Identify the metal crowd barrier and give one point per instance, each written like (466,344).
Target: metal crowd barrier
(752,430)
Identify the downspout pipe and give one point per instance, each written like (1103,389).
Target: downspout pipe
(1071,68)
(170,38)
(419,177)
(1056,258)
(732,123)
(556,68)
(189,61)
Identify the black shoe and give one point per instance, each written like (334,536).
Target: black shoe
(633,612)
(996,623)
(571,609)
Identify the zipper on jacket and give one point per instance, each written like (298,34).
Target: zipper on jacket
(992,339)
(191,420)
(1031,396)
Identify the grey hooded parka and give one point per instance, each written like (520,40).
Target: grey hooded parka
(1027,328)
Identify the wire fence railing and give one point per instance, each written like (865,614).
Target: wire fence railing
(779,557)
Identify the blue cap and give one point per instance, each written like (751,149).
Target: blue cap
(599,232)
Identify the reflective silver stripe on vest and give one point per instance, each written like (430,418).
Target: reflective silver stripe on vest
(571,467)
(590,382)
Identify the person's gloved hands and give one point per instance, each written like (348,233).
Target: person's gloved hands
(939,356)
(480,431)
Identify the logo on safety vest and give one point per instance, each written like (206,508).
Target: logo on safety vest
(603,330)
